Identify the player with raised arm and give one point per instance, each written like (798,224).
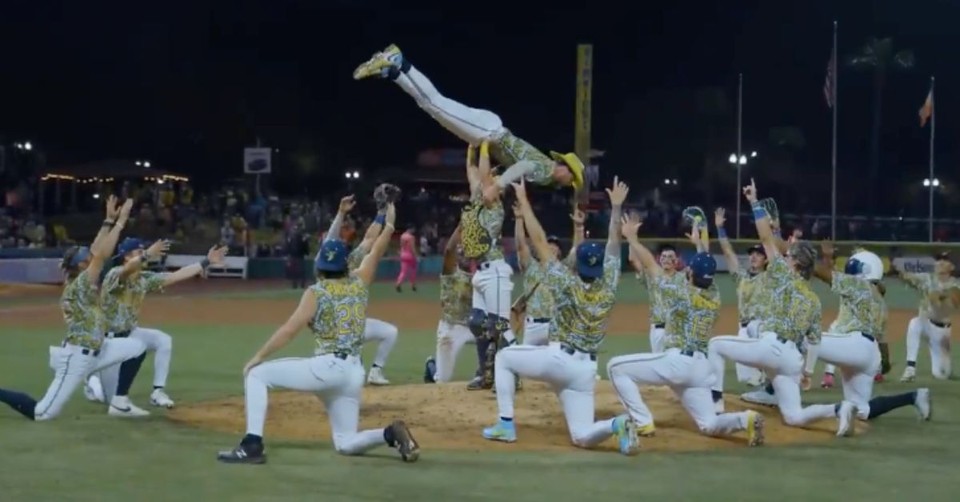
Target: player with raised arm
(374,330)
(939,301)
(334,309)
(752,303)
(682,365)
(475,126)
(584,298)
(84,350)
(789,339)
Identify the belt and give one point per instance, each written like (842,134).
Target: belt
(689,353)
(659,325)
(869,337)
(783,340)
(744,324)
(539,320)
(570,350)
(118,334)
(939,324)
(339,355)
(85,351)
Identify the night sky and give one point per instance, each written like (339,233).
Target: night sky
(188,84)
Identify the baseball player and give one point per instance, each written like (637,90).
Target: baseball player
(456,295)
(121,298)
(538,311)
(751,300)
(584,299)
(667,263)
(375,330)
(683,364)
(333,309)
(84,350)
(475,126)
(795,318)
(941,299)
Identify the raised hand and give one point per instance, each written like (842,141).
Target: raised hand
(630,224)
(217,254)
(391,214)
(158,248)
(694,234)
(125,210)
(517,212)
(618,192)
(719,217)
(520,190)
(112,211)
(750,191)
(346,204)
(578,218)
(826,249)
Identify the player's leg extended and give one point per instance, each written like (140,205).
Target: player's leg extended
(450,339)
(119,361)
(342,403)
(626,373)
(70,367)
(858,359)
(161,344)
(524,361)
(536,333)
(914,331)
(576,396)
(747,374)
(385,334)
(939,342)
(787,391)
(469,124)
(699,405)
(753,352)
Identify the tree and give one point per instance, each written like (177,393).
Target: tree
(878,57)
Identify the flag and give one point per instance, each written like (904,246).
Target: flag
(926,111)
(829,86)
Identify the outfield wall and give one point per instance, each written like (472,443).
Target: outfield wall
(38,266)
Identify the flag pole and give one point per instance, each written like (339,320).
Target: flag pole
(833,155)
(933,133)
(739,147)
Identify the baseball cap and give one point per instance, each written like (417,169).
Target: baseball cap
(703,266)
(590,259)
(82,254)
(129,244)
(553,239)
(332,256)
(757,248)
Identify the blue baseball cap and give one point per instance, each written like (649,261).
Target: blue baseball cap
(703,266)
(590,259)
(332,256)
(80,256)
(129,244)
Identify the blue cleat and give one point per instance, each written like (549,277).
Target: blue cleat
(503,431)
(626,432)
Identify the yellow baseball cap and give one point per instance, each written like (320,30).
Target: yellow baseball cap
(574,163)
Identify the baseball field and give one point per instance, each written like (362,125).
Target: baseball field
(218,324)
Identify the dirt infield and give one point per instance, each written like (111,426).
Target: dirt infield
(448,417)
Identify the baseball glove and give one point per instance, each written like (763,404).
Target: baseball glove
(384,194)
(694,214)
(771,206)
(518,312)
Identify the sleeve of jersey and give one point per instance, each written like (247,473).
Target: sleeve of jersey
(916,281)
(111,282)
(556,276)
(845,285)
(813,334)
(611,270)
(778,271)
(154,281)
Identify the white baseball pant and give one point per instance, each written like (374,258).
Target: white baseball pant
(72,365)
(783,364)
(385,334)
(690,378)
(492,288)
(572,377)
(156,341)
(858,358)
(450,339)
(658,337)
(746,374)
(535,333)
(469,124)
(335,381)
(938,339)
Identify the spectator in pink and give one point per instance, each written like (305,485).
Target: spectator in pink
(408,260)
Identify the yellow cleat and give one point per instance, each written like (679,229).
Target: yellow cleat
(646,431)
(754,428)
(379,64)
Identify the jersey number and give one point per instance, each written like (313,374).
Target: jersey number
(348,316)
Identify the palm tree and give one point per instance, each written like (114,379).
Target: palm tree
(878,56)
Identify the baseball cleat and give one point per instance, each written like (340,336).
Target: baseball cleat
(430,370)
(120,406)
(160,398)
(923,403)
(243,454)
(647,431)
(375,376)
(827,382)
(380,64)
(93,389)
(403,441)
(909,374)
(503,431)
(846,419)
(478,384)
(761,397)
(626,432)
(754,428)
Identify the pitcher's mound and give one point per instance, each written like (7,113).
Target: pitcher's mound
(447,416)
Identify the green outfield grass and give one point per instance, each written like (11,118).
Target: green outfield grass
(85,455)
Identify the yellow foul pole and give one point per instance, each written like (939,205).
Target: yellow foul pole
(583,113)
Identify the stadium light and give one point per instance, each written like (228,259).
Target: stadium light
(928,183)
(743,159)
